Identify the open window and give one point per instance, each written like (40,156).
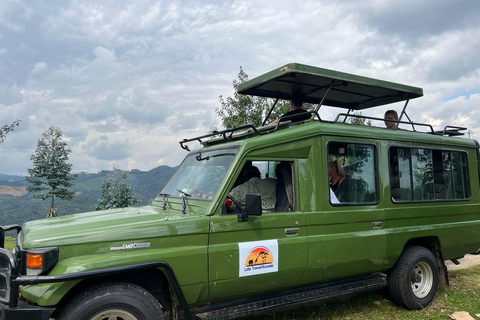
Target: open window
(272,179)
(351,168)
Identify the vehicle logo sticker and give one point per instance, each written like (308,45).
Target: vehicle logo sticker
(258,257)
(127,246)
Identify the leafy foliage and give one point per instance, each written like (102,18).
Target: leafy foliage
(6,128)
(358,120)
(244,109)
(50,176)
(116,192)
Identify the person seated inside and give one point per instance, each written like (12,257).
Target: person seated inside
(284,187)
(391,115)
(339,182)
(297,112)
(254,184)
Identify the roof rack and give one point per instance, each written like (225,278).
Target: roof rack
(451,131)
(228,134)
(249,129)
(447,131)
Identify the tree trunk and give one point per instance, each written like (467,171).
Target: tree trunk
(51,212)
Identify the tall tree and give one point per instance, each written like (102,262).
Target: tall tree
(116,192)
(359,121)
(244,109)
(51,173)
(6,128)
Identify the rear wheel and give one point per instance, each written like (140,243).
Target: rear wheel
(114,301)
(413,281)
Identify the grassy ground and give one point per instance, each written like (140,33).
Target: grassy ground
(463,294)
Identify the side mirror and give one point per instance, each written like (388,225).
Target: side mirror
(253,206)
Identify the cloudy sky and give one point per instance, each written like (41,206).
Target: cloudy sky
(126,80)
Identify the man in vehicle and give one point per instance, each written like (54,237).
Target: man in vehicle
(297,112)
(254,184)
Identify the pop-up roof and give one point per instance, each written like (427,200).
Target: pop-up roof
(346,90)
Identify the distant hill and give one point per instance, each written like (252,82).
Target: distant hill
(18,206)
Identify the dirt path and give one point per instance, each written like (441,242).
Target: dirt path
(465,263)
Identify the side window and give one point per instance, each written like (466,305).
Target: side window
(351,168)
(418,174)
(273,180)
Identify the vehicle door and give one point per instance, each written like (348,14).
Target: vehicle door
(349,239)
(265,253)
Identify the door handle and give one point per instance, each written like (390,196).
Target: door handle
(291,231)
(377,224)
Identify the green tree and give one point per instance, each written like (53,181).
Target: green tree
(359,121)
(244,109)
(51,173)
(116,192)
(6,128)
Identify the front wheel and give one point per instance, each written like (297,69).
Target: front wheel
(413,281)
(114,301)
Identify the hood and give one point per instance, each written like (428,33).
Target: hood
(110,225)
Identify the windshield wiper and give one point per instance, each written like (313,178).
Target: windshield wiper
(184,200)
(164,195)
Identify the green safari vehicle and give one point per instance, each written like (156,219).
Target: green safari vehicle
(409,201)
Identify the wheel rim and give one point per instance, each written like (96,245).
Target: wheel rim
(421,279)
(114,315)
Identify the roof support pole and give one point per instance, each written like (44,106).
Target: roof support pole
(348,113)
(270,112)
(324,96)
(404,112)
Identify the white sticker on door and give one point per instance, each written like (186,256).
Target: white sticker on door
(258,257)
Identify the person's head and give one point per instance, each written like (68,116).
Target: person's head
(335,169)
(391,115)
(284,165)
(297,101)
(251,172)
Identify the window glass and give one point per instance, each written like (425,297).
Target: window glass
(428,174)
(460,177)
(422,174)
(273,180)
(351,169)
(200,174)
(400,174)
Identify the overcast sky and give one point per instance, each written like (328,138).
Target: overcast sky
(126,80)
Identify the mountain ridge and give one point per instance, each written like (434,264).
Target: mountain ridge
(18,206)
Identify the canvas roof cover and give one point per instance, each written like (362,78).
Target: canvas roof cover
(347,91)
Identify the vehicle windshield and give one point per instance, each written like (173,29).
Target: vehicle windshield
(200,174)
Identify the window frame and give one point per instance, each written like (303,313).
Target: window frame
(469,183)
(375,167)
(265,159)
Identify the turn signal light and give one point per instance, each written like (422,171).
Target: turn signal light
(34,261)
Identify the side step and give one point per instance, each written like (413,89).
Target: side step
(289,298)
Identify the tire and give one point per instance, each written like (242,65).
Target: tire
(113,301)
(413,280)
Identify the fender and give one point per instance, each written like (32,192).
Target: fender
(16,280)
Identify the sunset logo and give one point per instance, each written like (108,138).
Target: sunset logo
(258,257)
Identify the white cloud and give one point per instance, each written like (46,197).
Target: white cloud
(125,81)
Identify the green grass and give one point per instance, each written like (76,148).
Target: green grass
(463,294)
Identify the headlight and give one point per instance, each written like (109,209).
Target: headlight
(40,260)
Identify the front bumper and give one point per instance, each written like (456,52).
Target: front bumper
(10,306)
(24,311)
